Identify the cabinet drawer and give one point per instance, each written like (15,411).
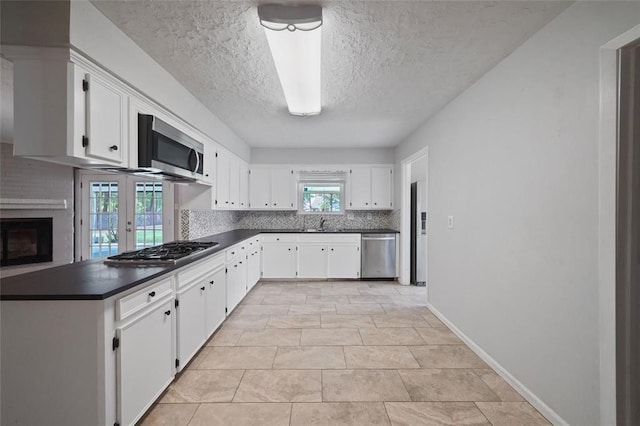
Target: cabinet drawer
(236,252)
(343,238)
(197,270)
(329,238)
(148,296)
(279,238)
(253,243)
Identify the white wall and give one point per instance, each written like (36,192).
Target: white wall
(322,156)
(97,37)
(515,159)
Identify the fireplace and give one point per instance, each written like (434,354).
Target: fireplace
(26,241)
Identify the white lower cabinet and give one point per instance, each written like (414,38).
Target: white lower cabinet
(236,258)
(253,268)
(278,260)
(236,283)
(144,361)
(311,255)
(215,300)
(312,260)
(200,305)
(343,261)
(190,321)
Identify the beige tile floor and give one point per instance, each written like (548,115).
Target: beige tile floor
(338,353)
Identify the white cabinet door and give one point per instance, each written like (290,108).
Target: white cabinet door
(381,185)
(260,189)
(222,180)
(359,188)
(234,184)
(144,362)
(215,300)
(253,268)
(236,283)
(244,185)
(106,117)
(190,321)
(282,189)
(343,261)
(312,260)
(278,260)
(209,166)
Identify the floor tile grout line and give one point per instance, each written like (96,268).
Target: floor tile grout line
(194,414)
(384,404)
(482,412)
(238,387)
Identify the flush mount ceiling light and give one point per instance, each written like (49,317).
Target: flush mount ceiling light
(293,33)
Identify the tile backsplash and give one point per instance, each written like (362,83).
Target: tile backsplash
(200,223)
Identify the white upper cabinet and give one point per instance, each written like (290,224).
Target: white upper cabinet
(234,184)
(283,184)
(106,118)
(272,188)
(222,180)
(209,166)
(231,182)
(359,188)
(244,185)
(381,187)
(69,113)
(259,188)
(370,188)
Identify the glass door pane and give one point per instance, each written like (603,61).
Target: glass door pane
(147,214)
(103,218)
(121,213)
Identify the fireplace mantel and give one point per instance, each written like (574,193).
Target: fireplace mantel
(32,203)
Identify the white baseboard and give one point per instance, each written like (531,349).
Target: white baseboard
(546,411)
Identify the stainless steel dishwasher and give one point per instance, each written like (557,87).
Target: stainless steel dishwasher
(378,256)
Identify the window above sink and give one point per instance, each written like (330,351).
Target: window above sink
(321,197)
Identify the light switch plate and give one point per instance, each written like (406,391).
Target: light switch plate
(350,216)
(450,222)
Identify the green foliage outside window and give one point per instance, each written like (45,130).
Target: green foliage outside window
(322,198)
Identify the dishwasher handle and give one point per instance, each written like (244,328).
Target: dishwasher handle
(379,238)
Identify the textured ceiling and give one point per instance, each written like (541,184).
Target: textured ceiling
(387,66)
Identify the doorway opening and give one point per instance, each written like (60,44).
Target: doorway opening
(413,250)
(628,238)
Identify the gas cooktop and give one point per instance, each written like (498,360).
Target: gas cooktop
(162,255)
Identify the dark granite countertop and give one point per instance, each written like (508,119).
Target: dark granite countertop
(330,231)
(93,280)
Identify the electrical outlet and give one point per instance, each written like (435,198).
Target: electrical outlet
(350,216)
(450,222)
(369,216)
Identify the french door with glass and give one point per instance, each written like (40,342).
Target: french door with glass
(121,213)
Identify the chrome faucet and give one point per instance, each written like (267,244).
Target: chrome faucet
(322,220)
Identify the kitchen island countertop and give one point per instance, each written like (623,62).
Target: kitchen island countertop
(93,280)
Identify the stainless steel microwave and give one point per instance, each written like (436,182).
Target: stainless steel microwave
(166,152)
